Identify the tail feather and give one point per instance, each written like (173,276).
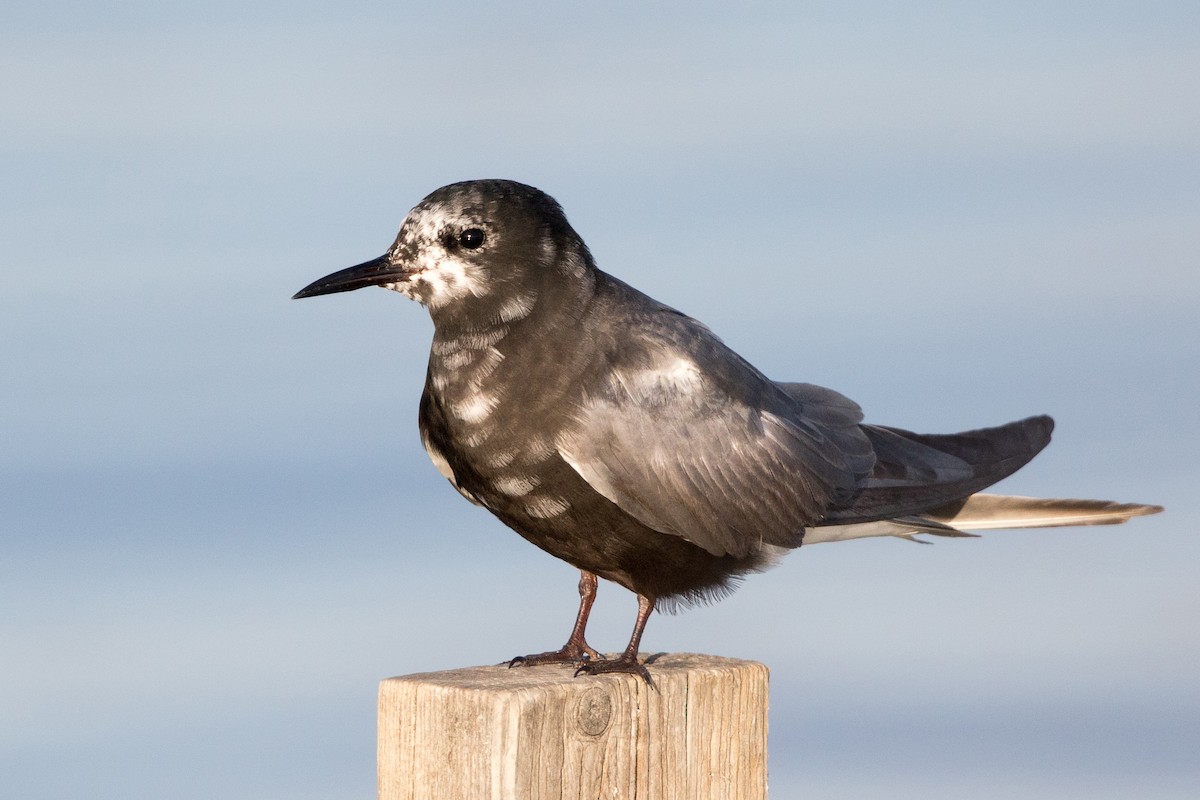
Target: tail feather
(982,512)
(915,472)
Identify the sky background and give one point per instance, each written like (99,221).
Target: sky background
(218,529)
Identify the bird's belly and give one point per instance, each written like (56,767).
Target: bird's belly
(552,507)
(506,460)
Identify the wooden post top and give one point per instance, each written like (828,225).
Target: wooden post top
(502,678)
(539,732)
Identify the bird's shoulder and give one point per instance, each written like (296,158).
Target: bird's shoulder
(647,353)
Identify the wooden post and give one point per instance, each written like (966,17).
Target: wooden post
(535,733)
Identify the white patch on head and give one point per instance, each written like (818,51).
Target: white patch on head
(452,279)
(438,277)
(545,507)
(516,487)
(475,408)
(424,224)
(442,279)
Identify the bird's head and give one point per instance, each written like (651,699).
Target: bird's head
(482,250)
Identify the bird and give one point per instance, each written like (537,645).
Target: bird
(624,437)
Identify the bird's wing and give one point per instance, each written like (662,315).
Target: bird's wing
(692,441)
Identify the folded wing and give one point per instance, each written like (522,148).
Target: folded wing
(726,460)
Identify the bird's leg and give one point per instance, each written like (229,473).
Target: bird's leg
(627,661)
(576,650)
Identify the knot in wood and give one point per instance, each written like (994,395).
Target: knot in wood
(593,712)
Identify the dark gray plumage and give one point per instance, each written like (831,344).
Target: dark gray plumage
(623,437)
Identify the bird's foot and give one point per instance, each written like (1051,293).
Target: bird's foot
(577,654)
(625,663)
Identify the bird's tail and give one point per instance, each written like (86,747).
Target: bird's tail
(982,512)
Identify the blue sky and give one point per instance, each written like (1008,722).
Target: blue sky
(218,530)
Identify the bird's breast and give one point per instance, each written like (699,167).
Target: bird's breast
(491,431)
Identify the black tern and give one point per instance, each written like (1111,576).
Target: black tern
(626,439)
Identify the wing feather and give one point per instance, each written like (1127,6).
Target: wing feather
(716,454)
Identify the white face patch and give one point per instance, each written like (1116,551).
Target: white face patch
(448,279)
(439,277)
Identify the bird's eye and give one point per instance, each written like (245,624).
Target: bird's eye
(471,238)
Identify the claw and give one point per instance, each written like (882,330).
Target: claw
(624,664)
(578,652)
(569,653)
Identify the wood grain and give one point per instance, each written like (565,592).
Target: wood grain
(537,733)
